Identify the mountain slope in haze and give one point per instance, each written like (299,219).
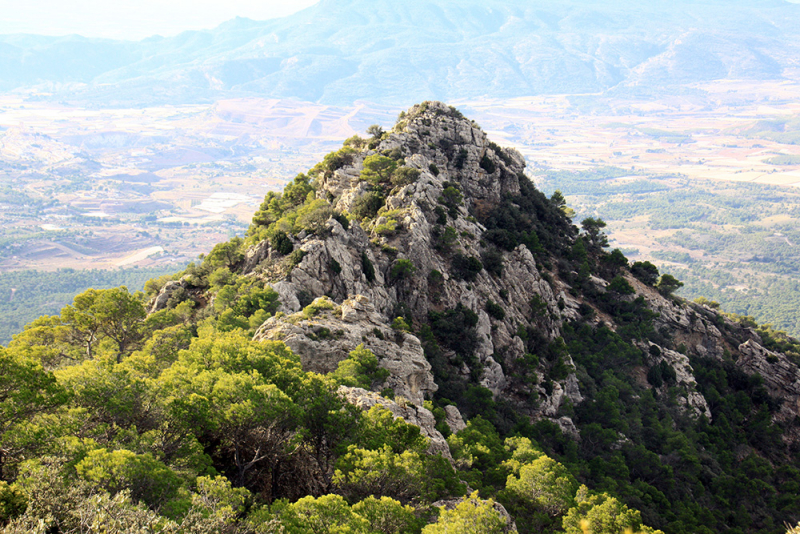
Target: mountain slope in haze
(339,51)
(410,318)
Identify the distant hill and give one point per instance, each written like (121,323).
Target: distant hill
(339,51)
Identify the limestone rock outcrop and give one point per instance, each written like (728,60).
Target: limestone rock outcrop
(326,338)
(354,263)
(781,378)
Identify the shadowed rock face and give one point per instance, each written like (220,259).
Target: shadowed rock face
(355,270)
(781,379)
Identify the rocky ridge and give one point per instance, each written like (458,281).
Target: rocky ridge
(433,249)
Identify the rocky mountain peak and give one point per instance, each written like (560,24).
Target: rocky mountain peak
(428,245)
(420,243)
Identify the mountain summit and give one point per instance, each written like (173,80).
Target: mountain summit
(411,338)
(433,226)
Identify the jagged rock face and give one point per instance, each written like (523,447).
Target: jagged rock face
(454,420)
(354,267)
(170,288)
(445,149)
(693,400)
(696,327)
(322,341)
(410,413)
(177,290)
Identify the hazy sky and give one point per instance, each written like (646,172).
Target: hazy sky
(128,19)
(135,19)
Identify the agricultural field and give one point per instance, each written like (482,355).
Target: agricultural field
(110,188)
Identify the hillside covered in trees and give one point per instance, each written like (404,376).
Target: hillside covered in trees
(410,338)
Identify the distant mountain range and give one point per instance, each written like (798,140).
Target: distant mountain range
(340,51)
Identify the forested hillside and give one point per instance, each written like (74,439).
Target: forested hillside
(25,295)
(410,338)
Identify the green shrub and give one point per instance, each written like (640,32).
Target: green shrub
(147,479)
(375,131)
(355,141)
(296,257)
(668,284)
(620,286)
(386,229)
(466,267)
(313,216)
(441,215)
(225,254)
(402,269)
(460,159)
(615,259)
(319,304)
(444,240)
(340,158)
(434,169)
(502,238)
(646,272)
(455,329)
(492,261)
(367,267)
(378,169)
(495,310)
(661,373)
(538,306)
(360,369)
(487,164)
(404,176)
(400,323)
(367,205)
(452,198)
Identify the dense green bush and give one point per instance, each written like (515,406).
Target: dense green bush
(367,205)
(487,164)
(645,271)
(492,261)
(531,220)
(281,242)
(495,310)
(466,267)
(451,198)
(402,269)
(367,268)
